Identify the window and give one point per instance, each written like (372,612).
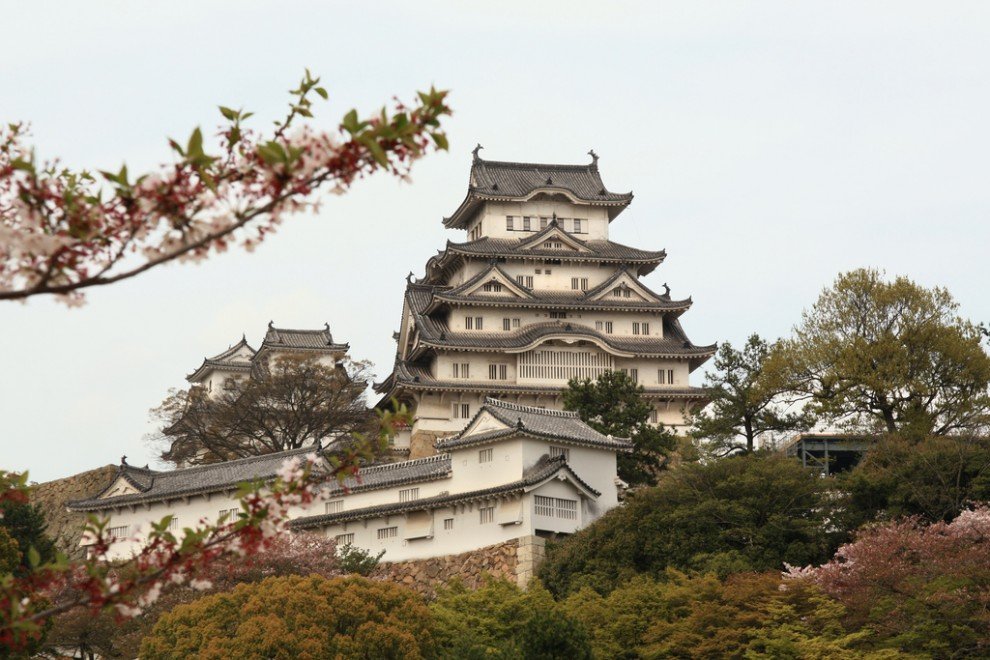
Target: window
(577,225)
(558,315)
(634,375)
(529,281)
(665,376)
(229,515)
(548,271)
(387,533)
(646,328)
(508,222)
(478,322)
(462,410)
(544,221)
(506,324)
(173,524)
(553,245)
(493,287)
(515,323)
(487,514)
(560,451)
(486,455)
(461,370)
(469,323)
(625,292)
(654,417)
(498,372)
(448,523)
(539,271)
(526,226)
(408,494)
(608,327)
(670,376)
(557,507)
(598,326)
(617,292)
(584,283)
(119,532)
(334,506)
(635,328)
(344,539)
(574,282)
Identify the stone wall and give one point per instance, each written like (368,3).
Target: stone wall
(514,560)
(421,444)
(65,527)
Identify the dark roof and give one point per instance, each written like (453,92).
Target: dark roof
(228,360)
(304,340)
(502,180)
(159,485)
(546,468)
(595,251)
(558,425)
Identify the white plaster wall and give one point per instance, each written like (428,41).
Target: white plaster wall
(492,218)
(597,467)
(469,473)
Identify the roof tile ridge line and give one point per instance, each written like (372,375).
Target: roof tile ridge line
(243,460)
(539,411)
(385,467)
(514,164)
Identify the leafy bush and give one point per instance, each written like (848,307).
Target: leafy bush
(353,559)
(745,513)
(499,620)
(297,617)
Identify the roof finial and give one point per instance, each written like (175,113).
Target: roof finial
(244,336)
(326,326)
(666,290)
(271,324)
(409,277)
(594,158)
(474,152)
(123,460)
(519,423)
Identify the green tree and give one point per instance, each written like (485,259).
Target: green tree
(752,615)
(500,620)
(25,523)
(887,354)
(935,479)
(614,405)
(751,512)
(10,553)
(297,617)
(743,405)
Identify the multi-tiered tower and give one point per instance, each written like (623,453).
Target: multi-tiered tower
(536,296)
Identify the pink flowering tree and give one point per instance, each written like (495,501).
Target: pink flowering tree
(916,587)
(63,231)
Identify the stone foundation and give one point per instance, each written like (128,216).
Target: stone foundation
(421,444)
(64,526)
(515,561)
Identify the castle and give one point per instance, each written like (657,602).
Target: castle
(489,338)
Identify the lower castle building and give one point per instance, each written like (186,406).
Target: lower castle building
(513,472)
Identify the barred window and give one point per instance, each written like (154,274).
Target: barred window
(584,283)
(408,494)
(544,506)
(634,375)
(566,509)
(478,321)
(344,539)
(469,323)
(118,532)
(448,523)
(556,507)
(635,328)
(574,282)
(560,451)
(173,524)
(526,226)
(487,514)
(388,533)
(577,225)
(598,326)
(608,327)
(544,221)
(461,410)
(508,222)
(229,515)
(654,417)
(515,323)
(334,506)
(506,325)
(646,328)
(486,455)
(498,372)
(492,287)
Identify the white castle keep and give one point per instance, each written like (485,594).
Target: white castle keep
(489,338)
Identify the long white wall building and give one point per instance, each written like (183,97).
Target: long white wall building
(514,471)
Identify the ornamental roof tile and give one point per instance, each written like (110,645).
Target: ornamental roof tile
(563,426)
(546,468)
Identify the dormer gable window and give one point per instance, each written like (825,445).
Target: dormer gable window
(493,287)
(553,245)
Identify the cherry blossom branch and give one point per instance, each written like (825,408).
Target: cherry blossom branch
(59,234)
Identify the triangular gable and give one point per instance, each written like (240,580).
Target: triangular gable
(493,275)
(557,238)
(623,282)
(484,422)
(121,486)
(566,475)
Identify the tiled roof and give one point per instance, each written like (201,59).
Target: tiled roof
(546,468)
(563,426)
(159,485)
(502,180)
(228,360)
(285,338)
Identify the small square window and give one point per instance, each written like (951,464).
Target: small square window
(486,455)
(487,514)
(448,523)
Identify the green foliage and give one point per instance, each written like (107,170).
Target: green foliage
(499,620)
(10,553)
(892,355)
(744,513)
(750,615)
(614,405)
(296,617)
(934,479)
(353,559)
(743,405)
(25,523)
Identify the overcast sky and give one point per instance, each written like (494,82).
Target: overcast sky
(770,146)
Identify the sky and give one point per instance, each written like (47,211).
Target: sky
(770,146)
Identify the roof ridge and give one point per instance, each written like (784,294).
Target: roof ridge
(498,403)
(242,461)
(385,467)
(519,165)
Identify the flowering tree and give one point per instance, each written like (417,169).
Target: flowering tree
(921,588)
(61,233)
